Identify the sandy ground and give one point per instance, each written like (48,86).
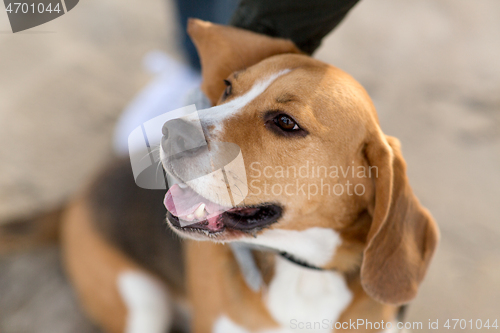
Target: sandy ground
(431,66)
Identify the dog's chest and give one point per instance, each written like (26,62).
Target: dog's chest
(300,295)
(297,296)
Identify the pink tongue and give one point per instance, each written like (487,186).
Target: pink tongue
(182,202)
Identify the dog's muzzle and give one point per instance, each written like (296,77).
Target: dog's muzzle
(207,182)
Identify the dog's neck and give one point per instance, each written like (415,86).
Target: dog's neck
(245,256)
(249,269)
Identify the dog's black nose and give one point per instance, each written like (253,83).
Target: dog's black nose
(182,138)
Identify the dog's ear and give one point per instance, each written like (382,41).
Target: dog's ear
(225,49)
(403,235)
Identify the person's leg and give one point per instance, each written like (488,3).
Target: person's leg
(217,11)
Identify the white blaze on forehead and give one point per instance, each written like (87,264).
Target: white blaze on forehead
(316,246)
(217,114)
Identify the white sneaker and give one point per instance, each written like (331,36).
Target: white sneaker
(168,91)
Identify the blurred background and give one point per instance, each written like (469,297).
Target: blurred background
(432,68)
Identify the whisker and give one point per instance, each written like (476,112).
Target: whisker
(151,152)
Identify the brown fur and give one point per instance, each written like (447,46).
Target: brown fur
(94,266)
(32,231)
(216,286)
(403,236)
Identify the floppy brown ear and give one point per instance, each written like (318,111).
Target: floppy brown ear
(225,49)
(403,234)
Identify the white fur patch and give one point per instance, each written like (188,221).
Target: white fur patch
(395,329)
(316,246)
(299,294)
(217,114)
(147,302)
(305,295)
(226,325)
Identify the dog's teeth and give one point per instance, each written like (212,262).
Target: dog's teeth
(200,211)
(190,217)
(182,185)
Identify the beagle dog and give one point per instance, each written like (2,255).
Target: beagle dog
(328,232)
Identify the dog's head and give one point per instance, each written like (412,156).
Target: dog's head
(322,181)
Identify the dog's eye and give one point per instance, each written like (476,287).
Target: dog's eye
(282,124)
(286,123)
(227,92)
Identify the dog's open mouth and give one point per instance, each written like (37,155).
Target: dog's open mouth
(189,211)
